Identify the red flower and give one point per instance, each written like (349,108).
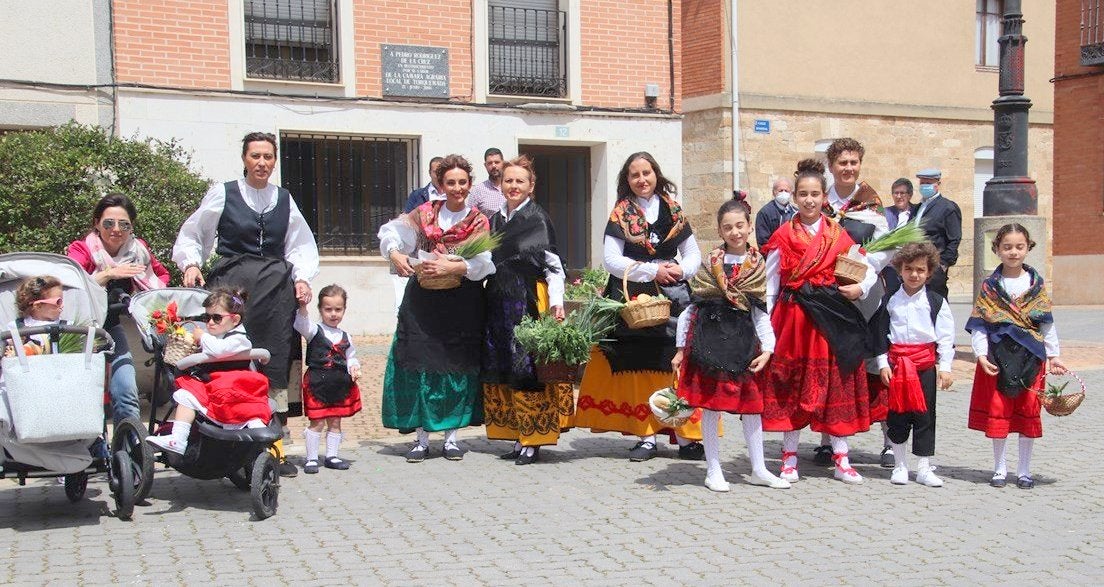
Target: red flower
(156,314)
(161,328)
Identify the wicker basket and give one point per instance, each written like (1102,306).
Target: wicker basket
(177,347)
(637,314)
(849,271)
(1065,404)
(436,281)
(559,372)
(666,418)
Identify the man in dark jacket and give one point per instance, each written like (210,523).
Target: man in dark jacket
(774,213)
(429,191)
(941,219)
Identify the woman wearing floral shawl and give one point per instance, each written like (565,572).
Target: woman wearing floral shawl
(646,232)
(432,378)
(725,337)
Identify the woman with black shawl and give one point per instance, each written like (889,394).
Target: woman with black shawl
(528,281)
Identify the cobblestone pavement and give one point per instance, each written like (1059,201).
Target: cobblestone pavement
(585,514)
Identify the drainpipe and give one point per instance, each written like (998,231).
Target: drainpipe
(734,89)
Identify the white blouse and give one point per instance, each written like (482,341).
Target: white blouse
(223,345)
(763,330)
(197,236)
(1016,286)
(910,323)
(553,273)
(399,235)
(308,328)
(615,261)
(774,268)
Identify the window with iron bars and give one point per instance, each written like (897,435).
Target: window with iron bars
(291,40)
(1092,33)
(526,46)
(348,186)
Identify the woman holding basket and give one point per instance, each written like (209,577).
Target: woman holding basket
(646,232)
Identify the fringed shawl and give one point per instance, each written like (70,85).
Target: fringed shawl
(745,286)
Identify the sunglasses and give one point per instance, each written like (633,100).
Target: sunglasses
(49,302)
(110,224)
(216,318)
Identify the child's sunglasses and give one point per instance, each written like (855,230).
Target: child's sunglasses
(51,302)
(109,224)
(216,318)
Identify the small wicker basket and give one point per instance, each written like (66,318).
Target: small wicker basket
(637,314)
(666,418)
(1065,404)
(176,348)
(849,271)
(559,372)
(436,281)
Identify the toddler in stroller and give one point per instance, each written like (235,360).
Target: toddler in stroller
(222,424)
(52,383)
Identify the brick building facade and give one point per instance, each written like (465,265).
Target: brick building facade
(1078,244)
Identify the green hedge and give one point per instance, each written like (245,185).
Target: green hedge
(50,180)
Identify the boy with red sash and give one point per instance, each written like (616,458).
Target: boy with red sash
(914,334)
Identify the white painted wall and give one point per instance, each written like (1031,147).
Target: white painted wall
(212,127)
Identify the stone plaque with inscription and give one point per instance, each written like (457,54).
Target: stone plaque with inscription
(414,71)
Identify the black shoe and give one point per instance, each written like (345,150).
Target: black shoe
(1025,482)
(643,451)
(997,482)
(417,454)
(311,467)
(512,455)
(528,459)
(286,469)
(822,455)
(692,452)
(335,463)
(888,461)
(453,452)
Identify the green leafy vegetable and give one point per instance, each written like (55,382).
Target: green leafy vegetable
(479,244)
(910,232)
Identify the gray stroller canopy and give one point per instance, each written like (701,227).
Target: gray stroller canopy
(189,304)
(85,300)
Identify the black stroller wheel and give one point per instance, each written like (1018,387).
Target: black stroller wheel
(240,478)
(129,436)
(75,484)
(265,486)
(122,471)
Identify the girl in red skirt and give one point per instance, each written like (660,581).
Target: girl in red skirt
(330,390)
(231,394)
(816,376)
(723,338)
(1012,332)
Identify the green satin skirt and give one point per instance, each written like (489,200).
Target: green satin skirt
(432,401)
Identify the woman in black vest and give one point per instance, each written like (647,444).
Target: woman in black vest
(265,247)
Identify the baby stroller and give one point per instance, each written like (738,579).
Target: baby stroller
(52,405)
(213,452)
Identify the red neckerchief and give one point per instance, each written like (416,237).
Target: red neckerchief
(432,238)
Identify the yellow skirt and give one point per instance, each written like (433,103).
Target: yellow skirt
(533,418)
(610,402)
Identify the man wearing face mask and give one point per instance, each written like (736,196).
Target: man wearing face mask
(771,216)
(941,219)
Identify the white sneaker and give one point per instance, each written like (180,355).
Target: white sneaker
(927,478)
(848,475)
(169,443)
(767,480)
(719,484)
(900,475)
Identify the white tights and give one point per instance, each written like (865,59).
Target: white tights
(753,436)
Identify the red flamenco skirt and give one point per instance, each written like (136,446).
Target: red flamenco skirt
(316,410)
(997,415)
(802,385)
(732,394)
(230,397)
(879,398)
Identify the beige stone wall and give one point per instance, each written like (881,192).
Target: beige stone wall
(895,147)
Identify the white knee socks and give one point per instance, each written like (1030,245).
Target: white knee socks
(789,444)
(333,441)
(900,457)
(650,439)
(753,436)
(1023,465)
(710,441)
(450,437)
(839,447)
(885,436)
(1000,466)
(423,438)
(313,440)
